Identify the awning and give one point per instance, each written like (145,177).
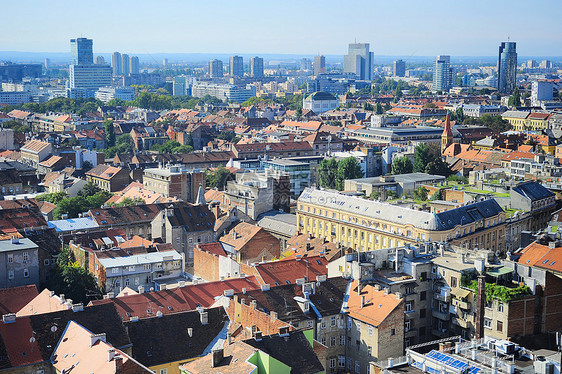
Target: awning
(460,293)
(499,271)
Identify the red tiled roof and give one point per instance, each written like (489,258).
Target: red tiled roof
(291,270)
(213,248)
(542,256)
(17,341)
(13,299)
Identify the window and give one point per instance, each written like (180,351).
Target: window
(499,326)
(146,266)
(114,271)
(163,371)
(333,321)
(10,258)
(10,274)
(25,256)
(323,324)
(47,262)
(332,363)
(500,307)
(392,331)
(323,341)
(342,339)
(357,367)
(308,323)
(349,363)
(341,361)
(26,273)
(453,282)
(422,313)
(358,325)
(370,351)
(487,323)
(407,326)
(409,306)
(137,281)
(423,295)
(132,268)
(190,240)
(332,341)
(349,323)
(370,330)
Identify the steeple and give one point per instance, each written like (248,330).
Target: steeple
(447,136)
(201,196)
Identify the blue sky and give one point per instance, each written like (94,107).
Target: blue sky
(408,27)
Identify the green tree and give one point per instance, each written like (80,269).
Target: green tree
(420,193)
(75,282)
(422,157)
(298,113)
(515,99)
(89,189)
(327,173)
(183,149)
(438,167)
(130,202)
(348,168)
(379,109)
(189,140)
(387,106)
(53,198)
(219,178)
(109,133)
(436,195)
(402,165)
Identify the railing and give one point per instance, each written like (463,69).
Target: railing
(441,315)
(461,304)
(443,298)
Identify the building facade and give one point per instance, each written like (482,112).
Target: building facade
(81,51)
(442,73)
(174,181)
(359,61)
(236,66)
(256,67)
(507,67)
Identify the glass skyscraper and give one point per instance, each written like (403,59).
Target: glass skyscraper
(442,73)
(81,51)
(507,67)
(359,61)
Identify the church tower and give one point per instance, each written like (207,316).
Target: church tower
(447,136)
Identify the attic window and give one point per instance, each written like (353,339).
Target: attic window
(287,282)
(552,263)
(545,261)
(319,262)
(277,283)
(148,354)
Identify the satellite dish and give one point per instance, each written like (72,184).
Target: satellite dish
(32,340)
(54,328)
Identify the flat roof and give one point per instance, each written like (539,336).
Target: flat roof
(285,162)
(73,224)
(141,259)
(22,244)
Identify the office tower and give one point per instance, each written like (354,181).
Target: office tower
(531,64)
(507,67)
(135,67)
(399,68)
(236,66)
(319,65)
(442,74)
(306,64)
(47,63)
(256,67)
(100,60)
(89,77)
(116,63)
(165,62)
(81,51)
(215,68)
(125,65)
(541,91)
(359,61)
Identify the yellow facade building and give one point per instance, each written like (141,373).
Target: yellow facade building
(366,225)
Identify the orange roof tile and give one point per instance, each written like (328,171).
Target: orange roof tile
(378,305)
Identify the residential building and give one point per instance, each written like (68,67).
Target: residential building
(35,151)
(401,184)
(359,61)
(541,90)
(81,51)
(7,139)
(100,60)
(533,197)
(442,74)
(215,68)
(399,68)
(184,226)
(125,64)
(475,110)
(320,102)
(116,63)
(225,92)
(365,224)
(108,178)
(174,181)
(15,97)
(319,65)
(507,67)
(398,135)
(135,66)
(256,67)
(19,258)
(106,94)
(247,243)
(236,66)
(13,299)
(80,350)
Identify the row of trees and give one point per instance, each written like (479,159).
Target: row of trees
(172,146)
(90,197)
(427,159)
(59,105)
(332,173)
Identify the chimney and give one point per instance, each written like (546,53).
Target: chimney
(551,245)
(386,290)
(15,240)
(141,289)
(62,299)
(110,354)
(204,318)
(95,337)
(254,304)
(118,364)
(9,318)
(244,290)
(162,287)
(362,301)
(228,339)
(218,356)
(273,314)
(480,304)
(234,235)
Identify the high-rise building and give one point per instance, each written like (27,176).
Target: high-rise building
(81,51)
(47,63)
(256,67)
(100,60)
(135,67)
(507,67)
(545,64)
(89,78)
(319,65)
(306,64)
(125,64)
(399,68)
(442,73)
(165,62)
(236,66)
(359,61)
(116,63)
(215,68)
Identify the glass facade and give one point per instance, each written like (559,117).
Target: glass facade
(507,67)
(81,50)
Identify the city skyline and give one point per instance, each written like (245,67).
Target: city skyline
(472,29)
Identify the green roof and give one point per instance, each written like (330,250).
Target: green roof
(321,95)
(499,271)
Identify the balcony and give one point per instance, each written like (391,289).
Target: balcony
(461,304)
(444,316)
(464,323)
(441,297)
(440,333)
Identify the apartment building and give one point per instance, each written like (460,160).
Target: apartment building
(174,181)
